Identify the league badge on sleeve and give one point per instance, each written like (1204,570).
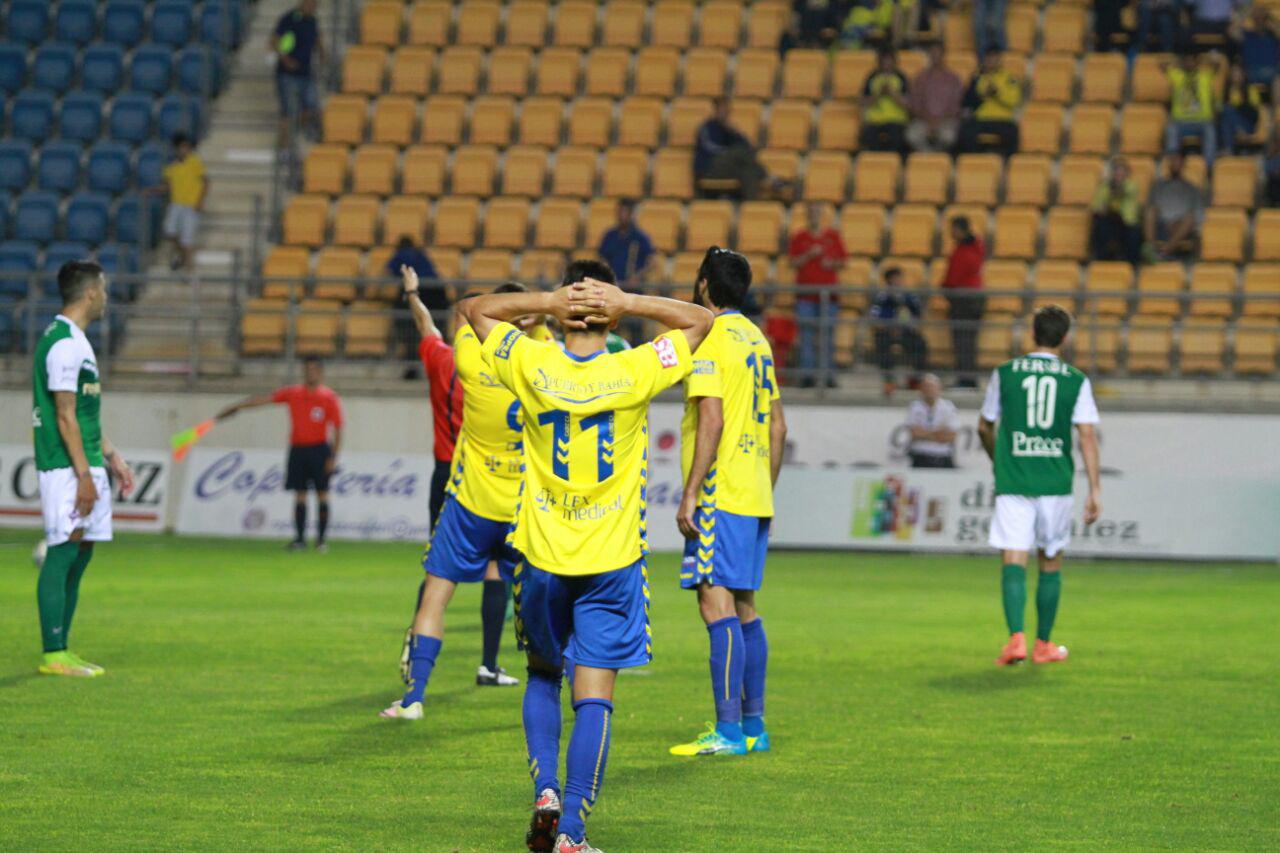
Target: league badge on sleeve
(667,355)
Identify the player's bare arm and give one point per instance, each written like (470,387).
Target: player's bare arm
(606,303)
(483,313)
(1092,468)
(987,435)
(119,467)
(69,429)
(421,316)
(247,403)
(705,445)
(777,439)
(332,461)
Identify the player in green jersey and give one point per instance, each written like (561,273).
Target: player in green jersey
(1031,405)
(72,457)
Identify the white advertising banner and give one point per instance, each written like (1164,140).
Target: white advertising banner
(143,509)
(241,493)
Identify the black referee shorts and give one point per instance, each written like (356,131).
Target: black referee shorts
(306,468)
(439,480)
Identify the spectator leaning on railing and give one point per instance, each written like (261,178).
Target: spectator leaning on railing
(993,98)
(886,309)
(965,300)
(934,99)
(1116,231)
(816,254)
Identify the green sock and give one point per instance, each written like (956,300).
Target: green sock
(51,594)
(76,572)
(1048,591)
(1013,585)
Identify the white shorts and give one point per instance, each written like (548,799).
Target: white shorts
(58,503)
(1028,524)
(182,223)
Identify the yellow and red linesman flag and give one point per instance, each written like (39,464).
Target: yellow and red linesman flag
(182,442)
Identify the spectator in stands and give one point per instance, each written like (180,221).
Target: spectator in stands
(992,99)
(868,24)
(1258,46)
(295,41)
(1240,109)
(1164,17)
(965,300)
(934,423)
(817,255)
(884,102)
(1116,233)
(1271,168)
(988,26)
(1191,105)
(1174,212)
(1107,24)
(724,161)
(1210,20)
(627,250)
(893,329)
(186,185)
(430,291)
(935,98)
(815,23)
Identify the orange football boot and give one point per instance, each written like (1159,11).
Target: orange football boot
(1046,652)
(1015,651)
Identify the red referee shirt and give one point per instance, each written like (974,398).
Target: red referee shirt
(311,411)
(446,394)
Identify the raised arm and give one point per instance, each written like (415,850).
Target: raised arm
(421,316)
(777,439)
(483,313)
(705,445)
(598,302)
(251,402)
(1092,468)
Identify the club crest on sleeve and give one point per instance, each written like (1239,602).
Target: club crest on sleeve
(505,345)
(667,355)
(704,366)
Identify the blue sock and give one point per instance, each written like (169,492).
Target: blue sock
(584,765)
(756,661)
(422,659)
(542,728)
(727,661)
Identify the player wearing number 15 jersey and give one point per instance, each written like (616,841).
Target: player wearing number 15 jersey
(1031,405)
(581,590)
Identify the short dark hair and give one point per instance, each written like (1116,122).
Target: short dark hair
(628,203)
(313,359)
(405,242)
(892,273)
(886,53)
(585,268)
(511,287)
(74,277)
(1050,326)
(180,139)
(728,276)
(962,222)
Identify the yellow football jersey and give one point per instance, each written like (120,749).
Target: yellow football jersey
(586,433)
(486,459)
(734,363)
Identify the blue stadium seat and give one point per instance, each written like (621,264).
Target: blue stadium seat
(130,119)
(13,67)
(124,22)
(58,254)
(179,114)
(109,170)
(88,217)
(35,217)
(76,21)
(171,23)
(15,166)
(116,258)
(200,70)
(54,67)
(9,331)
(217,27)
(28,21)
(17,258)
(151,69)
(102,68)
(152,159)
(31,116)
(58,168)
(5,203)
(80,117)
(136,214)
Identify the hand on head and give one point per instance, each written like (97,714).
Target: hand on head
(589,303)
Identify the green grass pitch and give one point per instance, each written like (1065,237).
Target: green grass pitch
(240,712)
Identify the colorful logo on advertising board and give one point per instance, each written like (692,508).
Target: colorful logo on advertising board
(887,507)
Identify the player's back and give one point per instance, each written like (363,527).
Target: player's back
(486,460)
(1039,397)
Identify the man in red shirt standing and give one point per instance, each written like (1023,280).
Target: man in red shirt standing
(965,300)
(816,254)
(313,453)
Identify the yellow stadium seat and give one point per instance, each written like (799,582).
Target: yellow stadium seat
(1103,78)
(305,220)
(325,169)
(527,23)
(524,171)
(540,121)
(474,170)
(928,178)
(575,23)
(760,227)
(804,74)
(424,170)
(1266,235)
(367,330)
(478,23)
(1235,181)
(790,122)
(978,221)
(624,23)
(838,126)
(557,72)
(1028,180)
(540,266)
(262,327)
(849,72)
(1261,291)
(995,340)
(460,70)
(375,170)
(394,117)
(1056,283)
(574,173)
(656,71)
(1091,128)
(978,179)
(911,63)
(442,119)
(355,221)
(1222,235)
(1149,84)
(660,219)
(704,72)
(1054,78)
(455,222)
(1095,346)
(756,74)
(862,229)
(875,177)
(708,225)
(1040,128)
(284,271)
(672,24)
(607,71)
(429,22)
(1063,30)
(747,115)
(411,70)
(490,266)
(957,30)
(1021,22)
(673,173)
(1142,170)
(405,216)
(447,261)
(1201,346)
(491,120)
(780,163)
(767,22)
(1255,349)
(827,176)
(1150,345)
(344,119)
(509,71)
(1004,282)
(1078,178)
(1142,129)
(1108,277)
(624,172)
(506,223)
(913,230)
(963,62)
(380,23)
(1017,228)
(556,226)
(591,122)
(1213,290)
(684,117)
(720,24)
(337,268)
(1157,279)
(602,214)
(1066,233)
(640,122)
(363,67)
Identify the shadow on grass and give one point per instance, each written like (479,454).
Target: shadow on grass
(1021,677)
(17,679)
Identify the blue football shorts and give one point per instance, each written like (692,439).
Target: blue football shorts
(729,551)
(463,543)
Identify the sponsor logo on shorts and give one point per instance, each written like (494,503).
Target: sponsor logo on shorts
(667,355)
(1037,446)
